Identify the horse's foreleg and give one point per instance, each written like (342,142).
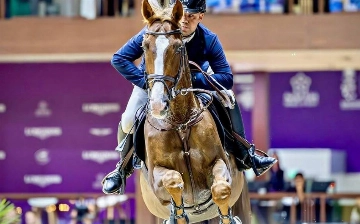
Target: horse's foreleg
(221,190)
(173,183)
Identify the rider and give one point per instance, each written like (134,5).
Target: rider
(204,48)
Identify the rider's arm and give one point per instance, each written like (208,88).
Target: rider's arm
(218,63)
(123,60)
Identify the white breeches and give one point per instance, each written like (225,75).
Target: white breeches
(137,99)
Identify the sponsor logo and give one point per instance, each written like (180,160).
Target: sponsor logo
(100,156)
(97,182)
(42,110)
(301,96)
(101,109)
(100,131)
(349,91)
(43,180)
(2,155)
(42,156)
(2,108)
(42,132)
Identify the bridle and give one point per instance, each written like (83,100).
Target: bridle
(153,78)
(172,92)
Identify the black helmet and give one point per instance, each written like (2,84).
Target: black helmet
(193,6)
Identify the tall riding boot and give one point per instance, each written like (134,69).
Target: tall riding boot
(115,181)
(246,157)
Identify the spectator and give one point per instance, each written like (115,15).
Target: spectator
(83,212)
(298,186)
(276,182)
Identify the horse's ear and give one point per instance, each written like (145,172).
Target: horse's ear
(177,12)
(146,10)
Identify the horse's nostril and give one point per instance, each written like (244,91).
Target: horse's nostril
(166,105)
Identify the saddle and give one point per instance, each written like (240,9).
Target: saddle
(218,112)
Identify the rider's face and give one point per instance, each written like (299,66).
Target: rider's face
(189,22)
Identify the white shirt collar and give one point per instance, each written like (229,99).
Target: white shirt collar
(187,39)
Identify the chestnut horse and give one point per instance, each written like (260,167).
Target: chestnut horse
(188,177)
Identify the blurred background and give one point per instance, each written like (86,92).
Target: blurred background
(297,80)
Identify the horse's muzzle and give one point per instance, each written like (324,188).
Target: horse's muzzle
(159,109)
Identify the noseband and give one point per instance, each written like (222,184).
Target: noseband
(153,78)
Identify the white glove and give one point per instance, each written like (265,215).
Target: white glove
(229,100)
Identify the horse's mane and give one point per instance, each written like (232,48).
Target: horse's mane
(162,13)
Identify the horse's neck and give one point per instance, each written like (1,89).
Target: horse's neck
(183,106)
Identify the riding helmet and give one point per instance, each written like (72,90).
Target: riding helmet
(193,6)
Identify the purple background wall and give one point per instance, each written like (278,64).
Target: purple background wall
(325,125)
(85,101)
(66,88)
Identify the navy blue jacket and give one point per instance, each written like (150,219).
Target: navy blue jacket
(204,49)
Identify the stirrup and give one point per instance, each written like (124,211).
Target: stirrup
(121,190)
(120,168)
(251,154)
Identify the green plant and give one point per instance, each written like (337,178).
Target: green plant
(8,214)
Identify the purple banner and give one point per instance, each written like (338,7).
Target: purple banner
(316,110)
(243,89)
(58,124)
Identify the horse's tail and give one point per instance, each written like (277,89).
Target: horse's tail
(242,207)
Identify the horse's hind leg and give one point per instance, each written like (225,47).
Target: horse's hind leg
(173,183)
(221,191)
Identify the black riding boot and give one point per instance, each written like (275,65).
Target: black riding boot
(246,158)
(115,181)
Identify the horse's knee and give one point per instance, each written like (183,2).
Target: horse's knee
(173,181)
(221,192)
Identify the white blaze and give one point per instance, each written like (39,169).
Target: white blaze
(161,44)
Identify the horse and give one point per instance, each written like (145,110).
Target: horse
(187,175)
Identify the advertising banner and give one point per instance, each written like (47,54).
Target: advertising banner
(316,110)
(58,125)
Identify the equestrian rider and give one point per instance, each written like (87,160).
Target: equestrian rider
(204,48)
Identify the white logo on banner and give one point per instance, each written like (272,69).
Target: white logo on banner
(100,156)
(43,180)
(300,95)
(348,89)
(42,156)
(2,108)
(98,179)
(244,84)
(100,109)
(2,155)
(42,132)
(42,110)
(100,131)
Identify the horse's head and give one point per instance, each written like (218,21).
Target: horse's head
(164,54)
